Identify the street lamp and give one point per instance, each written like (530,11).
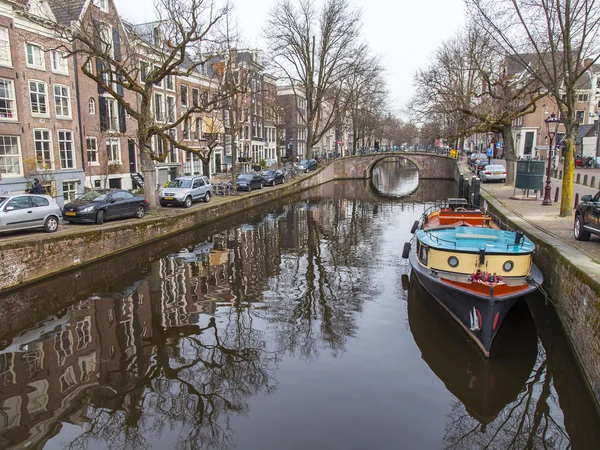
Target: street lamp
(552,124)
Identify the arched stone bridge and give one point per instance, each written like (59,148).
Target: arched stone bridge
(430,165)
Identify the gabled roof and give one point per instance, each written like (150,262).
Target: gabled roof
(66,11)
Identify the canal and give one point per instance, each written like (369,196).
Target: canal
(297,326)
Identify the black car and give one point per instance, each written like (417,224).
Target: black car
(272,177)
(249,181)
(587,217)
(103,204)
(306,165)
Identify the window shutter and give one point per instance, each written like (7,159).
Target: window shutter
(103,113)
(120,89)
(117,43)
(122,123)
(99,70)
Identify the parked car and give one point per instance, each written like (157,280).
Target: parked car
(307,165)
(493,172)
(104,204)
(28,211)
(476,157)
(272,177)
(186,190)
(587,217)
(249,181)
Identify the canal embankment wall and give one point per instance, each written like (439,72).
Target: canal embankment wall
(32,257)
(572,281)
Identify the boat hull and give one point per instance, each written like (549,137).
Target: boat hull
(474,306)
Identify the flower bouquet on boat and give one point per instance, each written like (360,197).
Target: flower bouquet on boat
(474,269)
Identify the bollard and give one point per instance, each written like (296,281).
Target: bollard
(576,200)
(461,188)
(593,182)
(585,179)
(556,196)
(578,179)
(476,191)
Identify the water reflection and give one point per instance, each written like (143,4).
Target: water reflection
(396,177)
(195,332)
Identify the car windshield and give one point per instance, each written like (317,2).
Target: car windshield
(177,183)
(492,167)
(93,196)
(268,173)
(245,176)
(303,162)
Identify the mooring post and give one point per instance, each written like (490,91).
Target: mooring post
(576,201)
(466,190)
(556,196)
(475,191)
(461,188)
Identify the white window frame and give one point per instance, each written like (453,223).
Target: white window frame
(110,155)
(71,191)
(92,150)
(159,108)
(158,84)
(45,164)
(32,64)
(171,117)
(3,154)
(5,54)
(60,64)
(102,5)
(61,105)
(112,115)
(92,106)
(182,97)
(582,115)
(38,94)
(10,100)
(66,146)
(187,124)
(172,79)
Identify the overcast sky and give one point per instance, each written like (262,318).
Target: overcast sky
(404,32)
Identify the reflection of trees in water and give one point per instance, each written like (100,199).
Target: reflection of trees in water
(530,422)
(325,284)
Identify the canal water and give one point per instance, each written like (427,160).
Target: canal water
(295,327)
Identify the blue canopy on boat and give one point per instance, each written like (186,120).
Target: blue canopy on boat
(474,239)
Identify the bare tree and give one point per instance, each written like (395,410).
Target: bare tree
(127,64)
(316,50)
(555,42)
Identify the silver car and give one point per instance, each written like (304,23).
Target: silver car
(186,190)
(27,211)
(493,172)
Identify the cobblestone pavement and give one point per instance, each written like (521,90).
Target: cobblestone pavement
(544,218)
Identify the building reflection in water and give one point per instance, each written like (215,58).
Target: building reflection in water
(395,177)
(175,351)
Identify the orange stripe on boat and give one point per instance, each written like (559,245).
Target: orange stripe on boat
(479,288)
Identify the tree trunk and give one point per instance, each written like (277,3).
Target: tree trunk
(206,167)
(150,183)
(566,198)
(509,154)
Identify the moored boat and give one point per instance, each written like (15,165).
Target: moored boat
(475,270)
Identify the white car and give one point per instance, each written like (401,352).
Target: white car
(493,172)
(27,211)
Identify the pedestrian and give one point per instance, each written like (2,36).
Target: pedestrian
(37,187)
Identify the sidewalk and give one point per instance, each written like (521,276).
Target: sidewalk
(544,218)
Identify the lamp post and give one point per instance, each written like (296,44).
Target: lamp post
(552,124)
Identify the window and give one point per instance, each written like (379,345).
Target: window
(580,117)
(92,106)
(113,151)
(59,63)
(102,4)
(38,96)
(5,59)
(583,97)
(38,202)
(112,115)
(155,70)
(195,97)
(82,330)
(43,149)
(198,128)
(67,379)
(10,156)
(186,128)
(170,82)
(65,149)
(143,71)
(158,108)
(184,95)
(91,144)
(69,189)
(88,66)
(62,101)
(62,346)
(35,56)
(170,109)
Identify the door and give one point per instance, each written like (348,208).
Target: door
(217,162)
(117,206)
(18,214)
(132,156)
(198,188)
